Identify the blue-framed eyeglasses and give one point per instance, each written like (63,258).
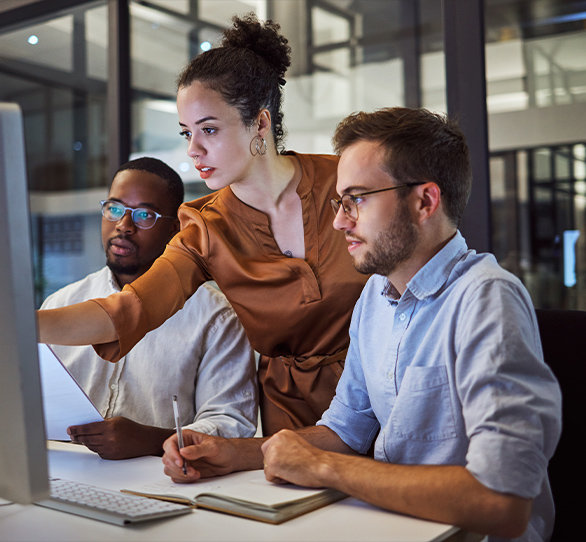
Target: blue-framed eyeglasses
(350,202)
(143,218)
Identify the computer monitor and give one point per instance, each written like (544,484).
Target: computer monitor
(23,455)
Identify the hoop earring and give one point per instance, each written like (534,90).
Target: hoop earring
(260,146)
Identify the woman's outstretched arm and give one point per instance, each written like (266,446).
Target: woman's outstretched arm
(79,324)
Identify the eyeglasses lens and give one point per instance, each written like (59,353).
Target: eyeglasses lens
(348,205)
(142,218)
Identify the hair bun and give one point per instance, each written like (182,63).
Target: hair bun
(262,39)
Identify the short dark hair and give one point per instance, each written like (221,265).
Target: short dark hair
(419,146)
(248,70)
(162,170)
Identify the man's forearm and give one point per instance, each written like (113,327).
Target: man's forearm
(154,438)
(317,457)
(325,439)
(247,453)
(448,494)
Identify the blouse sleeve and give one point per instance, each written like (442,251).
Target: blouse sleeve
(159,293)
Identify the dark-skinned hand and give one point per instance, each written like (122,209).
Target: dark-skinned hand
(120,438)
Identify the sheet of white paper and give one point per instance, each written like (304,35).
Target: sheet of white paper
(64,402)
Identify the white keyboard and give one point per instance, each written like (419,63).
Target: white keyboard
(105,504)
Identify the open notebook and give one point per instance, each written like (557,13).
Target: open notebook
(247,494)
(64,402)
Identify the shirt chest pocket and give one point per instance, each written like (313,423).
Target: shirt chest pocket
(423,410)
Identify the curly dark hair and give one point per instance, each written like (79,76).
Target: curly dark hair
(247,69)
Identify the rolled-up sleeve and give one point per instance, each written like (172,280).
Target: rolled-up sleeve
(511,401)
(226,394)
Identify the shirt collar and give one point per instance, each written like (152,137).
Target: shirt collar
(112,280)
(434,274)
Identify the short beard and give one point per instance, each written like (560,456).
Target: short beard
(391,246)
(121,269)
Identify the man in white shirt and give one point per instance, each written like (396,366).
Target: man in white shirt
(201,354)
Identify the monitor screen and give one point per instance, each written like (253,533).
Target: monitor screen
(23,456)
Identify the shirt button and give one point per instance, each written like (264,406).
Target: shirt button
(113,386)
(402,316)
(390,375)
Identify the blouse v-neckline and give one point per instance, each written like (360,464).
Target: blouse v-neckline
(261,222)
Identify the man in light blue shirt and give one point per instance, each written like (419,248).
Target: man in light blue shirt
(445,372)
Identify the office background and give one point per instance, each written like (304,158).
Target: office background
(96,82)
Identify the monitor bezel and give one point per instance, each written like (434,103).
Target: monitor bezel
(23,449)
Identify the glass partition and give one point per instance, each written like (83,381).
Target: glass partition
(347,55)
(536,94)
(56,70)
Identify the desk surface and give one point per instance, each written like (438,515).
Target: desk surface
(347,520)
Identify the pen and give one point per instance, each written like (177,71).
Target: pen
(178,426)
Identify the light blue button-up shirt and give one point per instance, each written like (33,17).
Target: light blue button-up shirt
(452,373)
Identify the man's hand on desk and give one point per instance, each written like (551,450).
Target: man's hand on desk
(288,457)
(120,438)
(450,494)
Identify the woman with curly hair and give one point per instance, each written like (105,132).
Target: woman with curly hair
(264,236)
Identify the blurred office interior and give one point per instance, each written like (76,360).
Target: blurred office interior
(96,84)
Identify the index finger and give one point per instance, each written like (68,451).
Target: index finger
(204,449)
(94,428)
(171,448)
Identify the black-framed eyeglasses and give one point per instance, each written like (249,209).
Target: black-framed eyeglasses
(349,202)
(143,218)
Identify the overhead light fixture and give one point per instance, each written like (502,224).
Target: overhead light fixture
(205,45)
(32,39)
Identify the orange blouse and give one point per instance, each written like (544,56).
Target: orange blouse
(293,310)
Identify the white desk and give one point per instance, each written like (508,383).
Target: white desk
(348,520)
